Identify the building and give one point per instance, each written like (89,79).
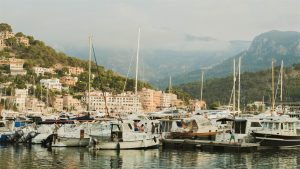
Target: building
(126,102)
(68,80)
(6,35)
(2,43)
(58,103)
(57,66)
(19,99)
(52,84)
(42,70)
(71,103)
(75,70)
(150,99)
(165,100)
(23,40)
(16,66)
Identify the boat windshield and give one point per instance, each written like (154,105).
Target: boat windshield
(2,124)
(255,124)
(115,128)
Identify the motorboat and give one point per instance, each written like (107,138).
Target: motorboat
(278,131)
(123,136)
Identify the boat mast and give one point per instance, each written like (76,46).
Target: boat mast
(233,105)
(273,97)
(90,58)
(239,87)
(170,85)
(137,69)
(202,75)
(137,62)
(281,81)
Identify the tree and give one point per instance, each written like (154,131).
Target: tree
(5,27)
(19,34)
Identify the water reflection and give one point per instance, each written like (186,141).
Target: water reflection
(24,157)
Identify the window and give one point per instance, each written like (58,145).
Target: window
(255,124)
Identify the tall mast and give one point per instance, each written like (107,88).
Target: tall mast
(170,85)
(137,61)
(233,106)
(273,97)
(239,87)
(281,81)
(202,75)
(90,58)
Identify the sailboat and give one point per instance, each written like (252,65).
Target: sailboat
(123,134)
(277,130)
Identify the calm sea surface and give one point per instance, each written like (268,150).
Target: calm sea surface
(24,157)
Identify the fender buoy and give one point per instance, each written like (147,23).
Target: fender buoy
(154,138)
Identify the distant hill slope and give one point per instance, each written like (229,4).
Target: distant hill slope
(39,54)
(278,45)
(254,87)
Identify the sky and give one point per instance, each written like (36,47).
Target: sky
(184,25)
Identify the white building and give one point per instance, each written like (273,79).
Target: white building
(165,100)
(20,98)
(42,70)
(16,66)
(51,84)
(121,103)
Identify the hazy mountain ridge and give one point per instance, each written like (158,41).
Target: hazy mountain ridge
(277,45)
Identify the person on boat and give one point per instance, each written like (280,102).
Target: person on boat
(152,128)
(146,128)
(135,125)
(142,128)
(231,137)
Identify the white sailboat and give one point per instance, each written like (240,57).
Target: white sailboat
(122,133)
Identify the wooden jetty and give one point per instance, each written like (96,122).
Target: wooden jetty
(207,145)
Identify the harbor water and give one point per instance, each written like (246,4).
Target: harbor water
(30,157)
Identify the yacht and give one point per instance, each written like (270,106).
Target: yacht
(278,131)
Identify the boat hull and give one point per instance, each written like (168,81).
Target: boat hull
(138,144)
(70,142)
(273,140)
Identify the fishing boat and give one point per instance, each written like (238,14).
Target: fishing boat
(123,136)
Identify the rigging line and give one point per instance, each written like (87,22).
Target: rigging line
(101,84)
(129,68)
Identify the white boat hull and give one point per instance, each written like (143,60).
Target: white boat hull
(138,144)
(70,142)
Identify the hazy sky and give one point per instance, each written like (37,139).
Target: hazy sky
(165,24)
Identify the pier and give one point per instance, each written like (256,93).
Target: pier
(207,145)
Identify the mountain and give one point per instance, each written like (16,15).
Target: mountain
(158,63)
(277,45)
(255,86)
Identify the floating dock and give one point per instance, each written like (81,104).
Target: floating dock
(207,145)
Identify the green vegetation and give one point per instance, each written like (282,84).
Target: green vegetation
(39,54)
(254,87)
(5,27)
